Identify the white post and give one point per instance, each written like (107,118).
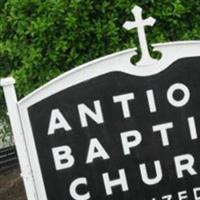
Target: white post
(11,102)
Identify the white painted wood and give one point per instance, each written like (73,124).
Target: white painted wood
(140,25)
(11,101)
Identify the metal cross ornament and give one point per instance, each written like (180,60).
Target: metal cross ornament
(140,25)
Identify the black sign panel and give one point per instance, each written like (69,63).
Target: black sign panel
(159,159)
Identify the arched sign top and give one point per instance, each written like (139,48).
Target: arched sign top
(120,62)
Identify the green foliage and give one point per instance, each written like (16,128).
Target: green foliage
(40,39)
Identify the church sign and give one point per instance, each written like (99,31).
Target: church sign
(113,130)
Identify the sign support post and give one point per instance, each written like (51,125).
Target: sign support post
(11,101)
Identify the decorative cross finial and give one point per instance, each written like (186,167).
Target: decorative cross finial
(140,25)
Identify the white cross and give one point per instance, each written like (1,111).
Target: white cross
(140,25)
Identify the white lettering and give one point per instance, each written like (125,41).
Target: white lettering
(57,121)
(196,193)
(184,100)
(145,177)
(96,150)
(151,101)
(167,197)
(73,189)
(163,130)
(62,157)
(123,99)
(84,111)
(192,127)
(182,195)
(110,184)
(127,143)
(184,163)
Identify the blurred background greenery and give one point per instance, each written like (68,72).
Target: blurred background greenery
(40,39)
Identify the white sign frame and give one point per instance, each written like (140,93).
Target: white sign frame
(118,62)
